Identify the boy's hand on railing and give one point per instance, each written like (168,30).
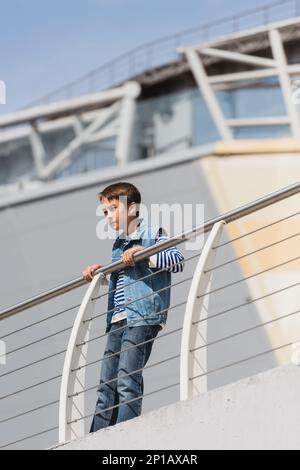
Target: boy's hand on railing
(127,258)
(88,272)
(128,255)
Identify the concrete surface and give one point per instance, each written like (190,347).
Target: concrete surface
(261,412)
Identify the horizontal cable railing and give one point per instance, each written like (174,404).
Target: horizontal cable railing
(163,51)
(189,317)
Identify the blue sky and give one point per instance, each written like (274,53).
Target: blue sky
(45,44)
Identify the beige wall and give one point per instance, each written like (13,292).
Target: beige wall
(239,179)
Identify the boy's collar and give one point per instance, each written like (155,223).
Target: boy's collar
(136,235)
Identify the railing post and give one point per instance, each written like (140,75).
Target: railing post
(194,335)
(74,382)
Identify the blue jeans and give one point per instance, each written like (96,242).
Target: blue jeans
(112,406)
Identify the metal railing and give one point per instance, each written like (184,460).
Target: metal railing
(163,51)
(190,317)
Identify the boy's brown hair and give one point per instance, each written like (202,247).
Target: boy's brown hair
(114,191)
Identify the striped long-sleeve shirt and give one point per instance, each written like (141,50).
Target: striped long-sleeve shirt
(171,259)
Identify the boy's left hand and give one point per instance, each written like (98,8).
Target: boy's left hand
(128,255)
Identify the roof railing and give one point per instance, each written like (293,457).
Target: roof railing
(163,51)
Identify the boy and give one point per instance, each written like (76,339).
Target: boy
(138,301)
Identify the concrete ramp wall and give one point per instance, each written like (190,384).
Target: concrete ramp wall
(261,412)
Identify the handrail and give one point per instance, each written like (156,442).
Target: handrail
(230,216)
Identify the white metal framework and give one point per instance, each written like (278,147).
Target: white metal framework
(265,67)
(112,113)
(94,118)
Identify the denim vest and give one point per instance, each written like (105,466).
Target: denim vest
(142,295)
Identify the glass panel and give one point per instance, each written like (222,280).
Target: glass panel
(262,132)
(164,124)
(263,100)
(93,157)
(15,161)
(55,142)
(204,129)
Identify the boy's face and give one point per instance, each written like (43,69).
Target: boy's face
(115,213)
